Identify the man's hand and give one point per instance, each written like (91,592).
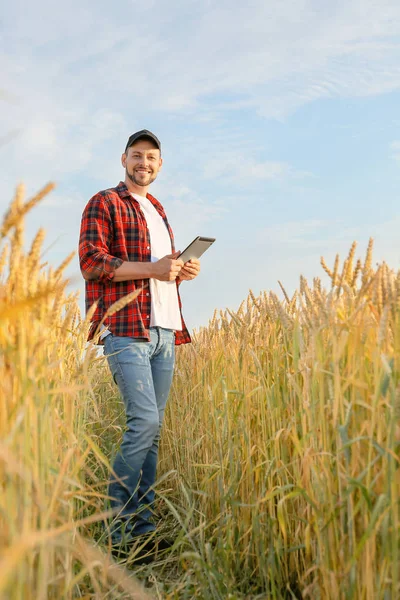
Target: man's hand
(167,268)
(190,270)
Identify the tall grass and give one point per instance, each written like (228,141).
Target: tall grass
(279,456)
(284,429)
(46,456)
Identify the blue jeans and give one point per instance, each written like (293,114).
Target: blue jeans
(143,372)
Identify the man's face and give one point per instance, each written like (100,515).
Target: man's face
(142,161)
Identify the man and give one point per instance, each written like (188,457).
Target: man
(127,244)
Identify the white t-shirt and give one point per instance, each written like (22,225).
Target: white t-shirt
(164,297)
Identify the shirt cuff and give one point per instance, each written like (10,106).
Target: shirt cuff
(110,266)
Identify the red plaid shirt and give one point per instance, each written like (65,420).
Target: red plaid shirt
(114,230)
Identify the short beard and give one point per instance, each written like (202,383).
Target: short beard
(139,183)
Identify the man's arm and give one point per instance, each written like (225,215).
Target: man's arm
(165,269)
(97,263)
(95,260)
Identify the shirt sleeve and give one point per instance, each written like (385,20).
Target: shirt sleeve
(95,259)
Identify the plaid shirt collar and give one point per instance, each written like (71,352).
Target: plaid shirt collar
(123,192)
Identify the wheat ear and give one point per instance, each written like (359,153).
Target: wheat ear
(118,305)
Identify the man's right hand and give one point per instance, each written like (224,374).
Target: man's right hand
(167,268)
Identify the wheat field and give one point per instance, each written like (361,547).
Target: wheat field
(279,465)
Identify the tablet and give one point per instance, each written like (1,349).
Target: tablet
(196,248)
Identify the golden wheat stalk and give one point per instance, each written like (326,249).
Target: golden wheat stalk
(379,288)
(11,216)
(18,210)
(326,268)
(4,257)
(254,301)
(121,303)
(356,273)
(293,304)
(64,265)
(36,246)
(335,271)
(11,310)
(383,325)
(348,272)
(368,261)
(241,308)
(118,305)
(284,292)
(235,317)
(317,285)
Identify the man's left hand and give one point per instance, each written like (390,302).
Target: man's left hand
(190,270)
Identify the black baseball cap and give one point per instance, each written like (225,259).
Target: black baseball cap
(143,133)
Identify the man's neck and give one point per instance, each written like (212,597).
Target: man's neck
(136,189)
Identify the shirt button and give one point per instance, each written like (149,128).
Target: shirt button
(148,247)
(147,294)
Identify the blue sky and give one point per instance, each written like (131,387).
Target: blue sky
(280,127)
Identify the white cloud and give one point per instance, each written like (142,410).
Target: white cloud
(273,57)
(54,146)
(70,94)
(239,168)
